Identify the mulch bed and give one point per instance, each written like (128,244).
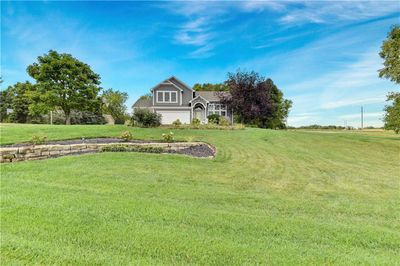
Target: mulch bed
(200,150)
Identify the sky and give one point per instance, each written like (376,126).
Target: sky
(323,55)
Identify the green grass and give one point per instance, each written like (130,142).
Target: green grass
(269,197)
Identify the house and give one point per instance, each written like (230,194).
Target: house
(174,100)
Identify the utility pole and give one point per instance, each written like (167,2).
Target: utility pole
(362,118)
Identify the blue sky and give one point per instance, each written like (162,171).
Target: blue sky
(322,55)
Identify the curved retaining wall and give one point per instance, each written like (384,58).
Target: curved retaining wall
(39,152)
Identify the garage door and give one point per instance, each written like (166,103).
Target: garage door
(167,117)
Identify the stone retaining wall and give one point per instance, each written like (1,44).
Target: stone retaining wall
(38,152)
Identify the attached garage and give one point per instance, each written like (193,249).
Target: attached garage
(169,116)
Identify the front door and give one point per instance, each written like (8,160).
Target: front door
(199,114)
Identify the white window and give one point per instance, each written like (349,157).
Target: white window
(217,108)
(160,96)
(173,97)
(167,97)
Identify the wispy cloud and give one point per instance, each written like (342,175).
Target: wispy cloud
(259,6)
(299,12)
(194,32)
(199,27)
(357,101)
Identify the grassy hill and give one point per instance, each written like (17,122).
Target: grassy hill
(269,197)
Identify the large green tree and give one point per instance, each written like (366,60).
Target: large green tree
(65,83)
(390,53)
(114,104)
(392,112)
(256,100)
(16,98)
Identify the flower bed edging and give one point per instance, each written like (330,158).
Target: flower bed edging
(39,152)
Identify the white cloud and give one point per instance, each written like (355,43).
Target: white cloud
(263,5)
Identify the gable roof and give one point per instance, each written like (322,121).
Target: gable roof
(180,83)
(143,103)
(211,96)
(198,97)
(174,82)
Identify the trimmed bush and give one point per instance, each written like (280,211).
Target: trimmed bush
(214,118)
(195,122)
(223,122)
(177,123)
(126,136)
(37,140)
(146,118)
(168,137)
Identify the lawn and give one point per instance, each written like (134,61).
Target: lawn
(269,197)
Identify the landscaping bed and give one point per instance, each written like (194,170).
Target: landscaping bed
(24,152)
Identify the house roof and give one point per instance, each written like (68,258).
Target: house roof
(199,97)
(211,96)
(180,82)
(143,103)
(174,82)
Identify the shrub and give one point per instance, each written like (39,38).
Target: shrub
(177,123)
(146,118)
(168,137)
(126,136)
(86,118)
(77,118)
(120,120)
(128,123)
(211,126)
(214,118)
(223,121)
(136,148)
(195,122)
(37,140)
(238,126)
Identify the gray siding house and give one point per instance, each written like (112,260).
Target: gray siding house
(174,100)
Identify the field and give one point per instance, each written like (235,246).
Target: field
(269,197)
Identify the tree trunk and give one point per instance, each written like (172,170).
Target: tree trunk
(67,118)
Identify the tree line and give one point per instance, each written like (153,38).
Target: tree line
(65,86)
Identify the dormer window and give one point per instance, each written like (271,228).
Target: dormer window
(167,97)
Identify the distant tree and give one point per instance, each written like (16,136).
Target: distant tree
(16,99)
(256,100)
(5,103)
(210,87)
(114,104)
(64,82)
(390,53)
(392,112)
